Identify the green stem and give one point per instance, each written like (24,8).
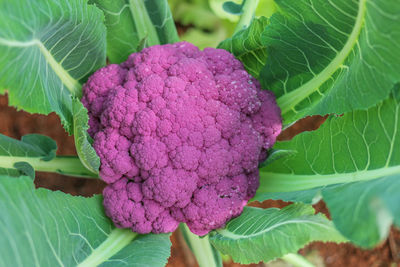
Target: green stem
(67,165)
(144,25)
(297,260)
(205,254)
(117,240)
(249,9)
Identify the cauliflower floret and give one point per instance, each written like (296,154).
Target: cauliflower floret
(180,133)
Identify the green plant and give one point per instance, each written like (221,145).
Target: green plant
(339,59)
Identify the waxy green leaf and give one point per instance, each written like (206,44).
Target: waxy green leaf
(322,57)
(40,227)
(357,155)
(131,21)
(331,56)
(362,211)
(266,234)
(47,48)
(83,145)
(247,46)
(358,146)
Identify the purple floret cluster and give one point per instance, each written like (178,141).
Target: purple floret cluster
(180,133)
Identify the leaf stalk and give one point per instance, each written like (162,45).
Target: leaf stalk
(297,260)
(66,165)
(249,9)
(143,23)
(117,240)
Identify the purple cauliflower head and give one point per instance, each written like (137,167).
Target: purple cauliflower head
(180,133)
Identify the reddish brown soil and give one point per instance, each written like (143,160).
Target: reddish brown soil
(18,123)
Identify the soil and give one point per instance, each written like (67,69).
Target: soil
(15,124)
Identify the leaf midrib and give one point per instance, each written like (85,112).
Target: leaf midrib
(116,241)
(70,83)
(286,182)
(289,100)
(229,234)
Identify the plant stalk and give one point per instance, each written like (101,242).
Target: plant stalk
(202,249)
(297,260)
(66,165)
(249,9)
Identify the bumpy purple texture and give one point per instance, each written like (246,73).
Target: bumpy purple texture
(180,133)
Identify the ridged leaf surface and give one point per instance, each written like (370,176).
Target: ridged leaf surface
(40,227)
(353,163)
(266,234)
(46,49)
